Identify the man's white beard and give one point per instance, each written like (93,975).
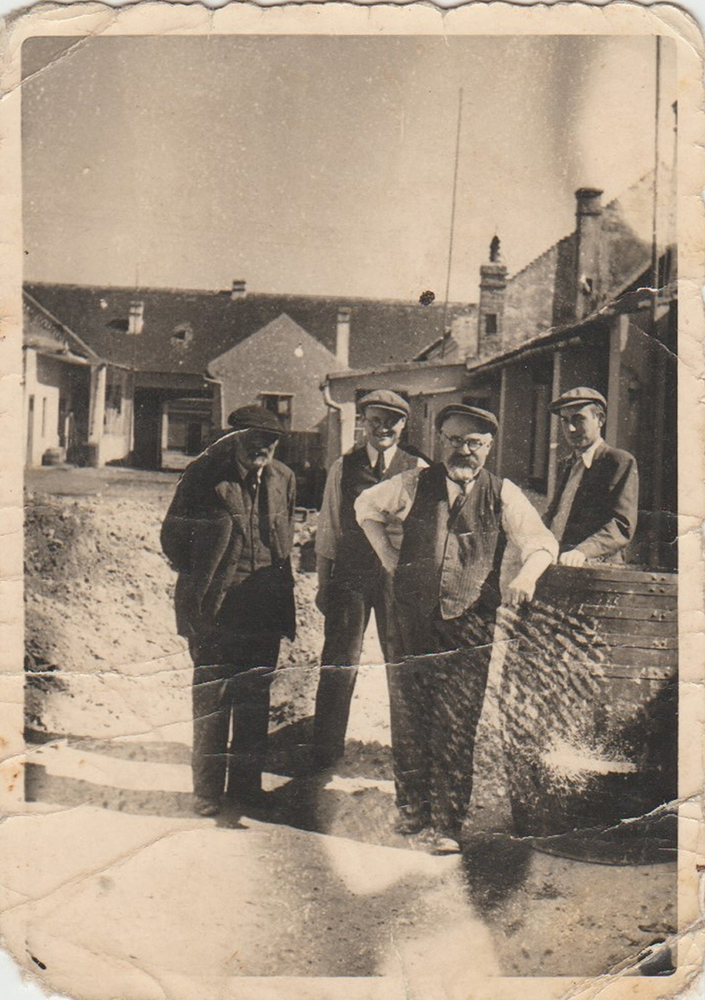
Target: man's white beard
(461,472)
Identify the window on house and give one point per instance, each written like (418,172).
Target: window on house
(490,324)
(281,403)
(44,416)
(182,335)
(113,391)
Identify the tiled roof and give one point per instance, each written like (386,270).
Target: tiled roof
(44,334)
(186,329)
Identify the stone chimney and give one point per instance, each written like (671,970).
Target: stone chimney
(490,312)
(239,290)
(342,336)
(588,237)
(135,319)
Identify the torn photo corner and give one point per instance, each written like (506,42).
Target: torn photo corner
(394,690)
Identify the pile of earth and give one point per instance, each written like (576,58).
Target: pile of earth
(99,598)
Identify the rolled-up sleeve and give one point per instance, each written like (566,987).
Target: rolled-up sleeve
(523,525)
(389,501)
(328,527)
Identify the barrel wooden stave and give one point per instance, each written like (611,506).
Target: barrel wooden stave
(627,665)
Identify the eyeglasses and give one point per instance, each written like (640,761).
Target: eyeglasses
(458,442)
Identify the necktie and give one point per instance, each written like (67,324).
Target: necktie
(565,504)
(379,466)
(465,487)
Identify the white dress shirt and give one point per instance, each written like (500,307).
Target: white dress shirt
(588,455)
(328,530)
(390,502)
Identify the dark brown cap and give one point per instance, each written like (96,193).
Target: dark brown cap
(256,418)
(385,398)
(487,421)
(580,396)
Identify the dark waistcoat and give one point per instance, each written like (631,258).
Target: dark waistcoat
(356,564)
(451,558)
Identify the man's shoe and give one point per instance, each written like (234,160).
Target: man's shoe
(205,807)
(408,826)
(438,843)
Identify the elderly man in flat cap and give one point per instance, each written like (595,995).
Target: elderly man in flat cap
(457,517)
(228,533)
(594,511)
(351,581)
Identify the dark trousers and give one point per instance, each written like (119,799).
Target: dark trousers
(435,704)
(231,685)
(346,621)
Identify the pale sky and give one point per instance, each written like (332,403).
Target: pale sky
(323,165)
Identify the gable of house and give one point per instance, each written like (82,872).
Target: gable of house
(42,333)
(280,360)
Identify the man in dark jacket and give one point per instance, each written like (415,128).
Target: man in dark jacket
(228,533)
(351,581)
(594,511)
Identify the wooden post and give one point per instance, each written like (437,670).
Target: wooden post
(619,331)
(502,411)
(555,427)
(97,411)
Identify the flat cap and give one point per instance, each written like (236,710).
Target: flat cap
(256,418)
(580,396)
(484,418)
(385,398)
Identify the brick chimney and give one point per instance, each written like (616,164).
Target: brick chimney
(490,313)
(239,290)
(342,336)
(135,319)
(588,237)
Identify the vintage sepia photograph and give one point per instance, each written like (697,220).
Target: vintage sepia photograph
(350,375)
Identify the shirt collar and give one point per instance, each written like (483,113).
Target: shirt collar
(387,456)
(245,474)
(588,456)
(455,489)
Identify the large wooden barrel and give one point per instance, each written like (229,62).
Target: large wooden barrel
(589,710)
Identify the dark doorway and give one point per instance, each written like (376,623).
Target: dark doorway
(148,425)
(194,438)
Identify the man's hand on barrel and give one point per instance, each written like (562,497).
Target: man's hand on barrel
(574,557)
(521,589)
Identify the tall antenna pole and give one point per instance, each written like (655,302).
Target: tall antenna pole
(654,225)
(659,365)
(452,219)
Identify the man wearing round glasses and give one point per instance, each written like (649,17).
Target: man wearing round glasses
(351,582)
(457,519)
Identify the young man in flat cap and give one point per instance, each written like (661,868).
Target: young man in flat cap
(351,582)
(594,511)
(457,518)
(228,533)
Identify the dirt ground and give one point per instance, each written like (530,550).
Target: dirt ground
(105,667)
